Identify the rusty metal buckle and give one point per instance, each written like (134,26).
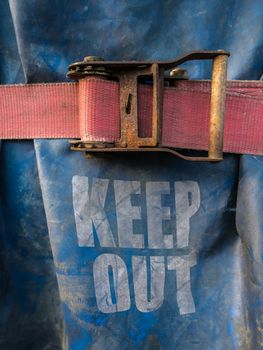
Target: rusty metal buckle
(128,74)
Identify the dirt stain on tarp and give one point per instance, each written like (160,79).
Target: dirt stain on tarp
(154,342)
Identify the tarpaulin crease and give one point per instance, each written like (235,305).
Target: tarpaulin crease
(135,252)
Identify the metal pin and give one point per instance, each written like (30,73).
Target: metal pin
(128,104)
(217,108)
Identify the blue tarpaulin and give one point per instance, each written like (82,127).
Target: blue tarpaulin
(128,252)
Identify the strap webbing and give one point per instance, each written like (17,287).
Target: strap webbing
(90,110)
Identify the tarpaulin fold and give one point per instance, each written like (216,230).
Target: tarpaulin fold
(128,252)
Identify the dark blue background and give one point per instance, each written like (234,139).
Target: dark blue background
(38,41)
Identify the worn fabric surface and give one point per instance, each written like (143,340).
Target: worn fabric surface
(147,252)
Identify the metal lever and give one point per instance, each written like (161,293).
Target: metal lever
(127,74)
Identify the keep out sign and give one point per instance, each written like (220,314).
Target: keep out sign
(148,272)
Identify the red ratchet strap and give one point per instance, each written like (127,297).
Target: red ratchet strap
(90,110)
(52,111)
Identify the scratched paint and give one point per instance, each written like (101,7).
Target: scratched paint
(38,41)
(114,268)
(91,219)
